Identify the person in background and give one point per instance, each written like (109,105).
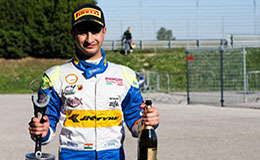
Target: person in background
(91,97)
(127,40)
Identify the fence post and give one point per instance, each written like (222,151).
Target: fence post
(148,80)
(113,45)
(245,75)
(158,81)
(198,43)
(170,44)
(168,82)
(221,77)
(232,40)
(222,42)
(141,44)
(187,77)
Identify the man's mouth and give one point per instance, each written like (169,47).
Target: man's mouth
(88,45)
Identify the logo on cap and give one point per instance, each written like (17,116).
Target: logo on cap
(87,11)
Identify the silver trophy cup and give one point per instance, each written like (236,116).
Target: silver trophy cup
(39,111)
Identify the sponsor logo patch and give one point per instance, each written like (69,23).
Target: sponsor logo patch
(72,144)
(114,102)
(74,102)
(111,81)
(94,70)
(87,11)
(92,118)
(80,87)
(110,143)
(69,90)
(71,78)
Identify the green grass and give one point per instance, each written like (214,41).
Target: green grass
(16,75)
(253,59)
(162,61)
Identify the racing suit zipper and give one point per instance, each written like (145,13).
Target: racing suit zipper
(96,116)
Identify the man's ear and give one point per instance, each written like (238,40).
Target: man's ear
(105,30)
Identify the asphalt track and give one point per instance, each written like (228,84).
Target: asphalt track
(186,132)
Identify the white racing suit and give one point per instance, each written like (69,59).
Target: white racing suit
(92,102)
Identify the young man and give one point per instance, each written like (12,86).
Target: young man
(127,39)
(91,97)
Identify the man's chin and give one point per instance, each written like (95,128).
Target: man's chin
(88,53)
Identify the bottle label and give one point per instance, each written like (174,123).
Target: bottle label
(151,153)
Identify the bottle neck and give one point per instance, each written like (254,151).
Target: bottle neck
(148,127)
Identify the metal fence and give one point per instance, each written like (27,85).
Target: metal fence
(253,86)
(162,86)
(213,76)
(163,82)
(216,76)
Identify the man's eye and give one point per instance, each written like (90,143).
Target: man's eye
(93,31)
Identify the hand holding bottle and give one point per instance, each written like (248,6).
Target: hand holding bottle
(150,116)
(147,142)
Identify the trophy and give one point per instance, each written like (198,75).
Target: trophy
(39,112)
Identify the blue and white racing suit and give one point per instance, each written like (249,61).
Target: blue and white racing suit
(91,102)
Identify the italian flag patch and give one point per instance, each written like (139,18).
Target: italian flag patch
(88,146)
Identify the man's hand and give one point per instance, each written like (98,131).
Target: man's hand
(37,128)
(150,116)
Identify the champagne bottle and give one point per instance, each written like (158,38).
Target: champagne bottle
(147,145)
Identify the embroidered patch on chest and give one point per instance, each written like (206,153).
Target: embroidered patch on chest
(114,80)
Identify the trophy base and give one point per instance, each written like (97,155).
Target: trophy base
(44,156)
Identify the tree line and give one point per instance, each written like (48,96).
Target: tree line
(41,28)
(37,28)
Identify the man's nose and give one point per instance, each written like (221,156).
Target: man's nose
(89,37)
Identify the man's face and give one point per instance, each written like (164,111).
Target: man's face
(89,38)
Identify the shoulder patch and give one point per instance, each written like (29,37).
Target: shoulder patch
(48,81)
(130,78)
(55,75)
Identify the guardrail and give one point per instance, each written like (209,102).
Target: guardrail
(230,41)
(243,40)
(154,44)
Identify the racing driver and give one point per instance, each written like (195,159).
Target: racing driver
(91,97)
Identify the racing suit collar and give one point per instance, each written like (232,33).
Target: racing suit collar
(90,69)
